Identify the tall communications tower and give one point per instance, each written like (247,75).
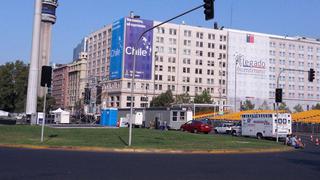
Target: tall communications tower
(44,18)
(48,18)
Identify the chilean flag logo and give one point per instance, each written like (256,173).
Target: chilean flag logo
(250,38)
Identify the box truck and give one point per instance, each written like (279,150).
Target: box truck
(266,125)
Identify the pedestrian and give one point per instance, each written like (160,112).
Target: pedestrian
(299,143)
(287,140)
(293,141)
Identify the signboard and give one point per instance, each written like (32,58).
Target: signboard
(116,53)
(134,28)
(248,67)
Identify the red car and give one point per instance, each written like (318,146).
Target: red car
(196,126)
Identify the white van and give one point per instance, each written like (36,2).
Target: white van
(266,125)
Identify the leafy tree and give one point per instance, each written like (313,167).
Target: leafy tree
(317,106)
(203,98)
(247,105)
(50,104)
(182,98)
(264,106)
(298,108)
(13,86)
(283,106)
(163,100)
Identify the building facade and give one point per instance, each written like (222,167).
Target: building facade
(255,61)
(60,85)
(180,58)
(232,65)
(77,80)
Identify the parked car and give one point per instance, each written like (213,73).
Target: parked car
(224,128)
(236,129)
(195,126)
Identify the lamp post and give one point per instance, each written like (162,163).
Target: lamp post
(238,58)
(154,75)
(277,104)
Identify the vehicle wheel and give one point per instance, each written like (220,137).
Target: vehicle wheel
(206,132)
(216,131)
(259,136)
(195,131)
(227,132)
(233,133)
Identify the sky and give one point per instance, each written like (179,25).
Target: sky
(78,18)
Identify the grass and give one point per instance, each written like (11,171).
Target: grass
(118,138)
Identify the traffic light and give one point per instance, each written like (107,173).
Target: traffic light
(87,94)
(46,76)
(208,9)
(278,95)
(311,74)
(98,96)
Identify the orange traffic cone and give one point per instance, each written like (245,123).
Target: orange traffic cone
(317,142)
(311,138)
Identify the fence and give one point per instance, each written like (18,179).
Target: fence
(306,128)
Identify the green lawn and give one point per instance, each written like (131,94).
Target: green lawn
(117,138)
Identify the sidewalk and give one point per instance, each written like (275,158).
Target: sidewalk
(149,151)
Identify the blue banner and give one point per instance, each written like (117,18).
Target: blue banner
(134,28)
(116,52)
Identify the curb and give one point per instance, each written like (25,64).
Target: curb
(147,151)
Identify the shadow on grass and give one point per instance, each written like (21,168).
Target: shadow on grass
(50,137)
(123,141)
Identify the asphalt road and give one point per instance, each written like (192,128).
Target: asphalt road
(49,164)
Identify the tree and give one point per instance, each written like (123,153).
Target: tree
(13,86)
(203,98)
(298,108)
(163,100)
(247,105)
(182,98)
(264,106)
(317,106)
(50,104)
(283,106)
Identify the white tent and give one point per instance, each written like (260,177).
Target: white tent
(61,116)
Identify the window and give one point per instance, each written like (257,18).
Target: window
(199,44)
(174,115)
(187,33)
(187,42)
(172,41)
(199,35)
(172,31)
(182,116)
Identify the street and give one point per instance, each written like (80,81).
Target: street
(50,164)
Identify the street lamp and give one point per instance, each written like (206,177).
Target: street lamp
(238,59)
(154,74)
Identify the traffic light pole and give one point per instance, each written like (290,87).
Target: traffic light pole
(277,104)
(44,111)
(134,65)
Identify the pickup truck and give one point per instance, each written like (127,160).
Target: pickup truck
(236,130)
(225,128)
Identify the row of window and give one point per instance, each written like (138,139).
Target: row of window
(296,95)
(188,33)
(293,47)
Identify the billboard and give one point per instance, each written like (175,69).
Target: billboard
(248,67)
(116,52)
(143,51)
